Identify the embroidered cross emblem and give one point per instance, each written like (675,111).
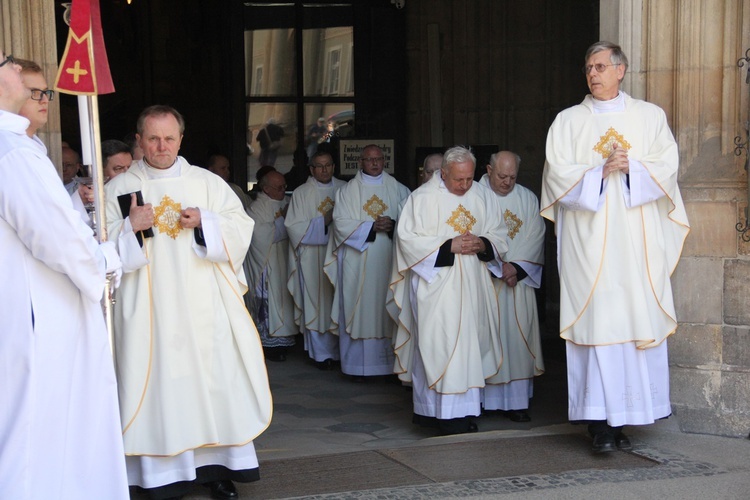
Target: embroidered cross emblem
(629,396)
(167,217)
(326,205)
(77,71)
(513,222)
(606,143)
(375,207)
(461,220)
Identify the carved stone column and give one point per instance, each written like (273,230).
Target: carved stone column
(28,32)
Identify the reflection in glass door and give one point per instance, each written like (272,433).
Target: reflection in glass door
(300,115)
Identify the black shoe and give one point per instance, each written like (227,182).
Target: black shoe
(222,490)
(457,426)
(622,442)
(422,421)
(325,365)
(604,442)
(358,379)
(518,416)
(275,353)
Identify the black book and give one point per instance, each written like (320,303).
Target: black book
(124,201)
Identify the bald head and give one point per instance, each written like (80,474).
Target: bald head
(274,185)
(503,171)
(432,163)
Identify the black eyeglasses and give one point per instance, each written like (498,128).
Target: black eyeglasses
(8,59)
(38,94)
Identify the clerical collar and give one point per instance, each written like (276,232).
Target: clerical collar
(320,184)
(612,106)
(369,179)
(163,173)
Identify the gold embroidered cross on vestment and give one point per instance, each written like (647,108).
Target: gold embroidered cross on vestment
(375,207)
(326,205)
(167,217)
(513,222)
(606,143)
(461,220)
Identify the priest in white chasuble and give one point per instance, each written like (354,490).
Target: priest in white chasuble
(448,237)
(194,391)
(610,187)
(307,222)
(60,434)
(358,264)
(511,389)
(267,264)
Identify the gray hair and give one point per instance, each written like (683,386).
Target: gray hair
(159,110)
(495,157)
(457,154)
(617,56)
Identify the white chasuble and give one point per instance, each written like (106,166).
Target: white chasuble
(519,318)
(189,360)
(267,263)
(453,307)
(308,237)
(615,258)
(359,270)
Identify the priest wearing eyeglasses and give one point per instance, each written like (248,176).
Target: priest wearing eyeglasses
(60,434)
(610,187)
(358,264)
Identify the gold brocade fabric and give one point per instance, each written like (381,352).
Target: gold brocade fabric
(513,222)
(461,220)
(167,217)
(375,207)
(606,143)
(325,205)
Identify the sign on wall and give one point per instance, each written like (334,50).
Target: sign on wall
(350,150)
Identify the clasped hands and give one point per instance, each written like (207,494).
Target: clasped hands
(142,217)
(618,160)
(383,224)
(467,244)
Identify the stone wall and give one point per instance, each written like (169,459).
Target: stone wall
(686,55)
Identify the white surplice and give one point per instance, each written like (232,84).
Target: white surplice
(360,272)
(511,388)
(193,383)
(310,288)
(619,240)
(60,434)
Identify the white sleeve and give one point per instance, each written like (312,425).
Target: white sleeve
(316,232)
(358,239)
(214,249)
(426,269)
(131,253)
(534,271)
(643,189)
(279,231)
(587,194)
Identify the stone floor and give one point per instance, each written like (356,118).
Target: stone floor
(326,413)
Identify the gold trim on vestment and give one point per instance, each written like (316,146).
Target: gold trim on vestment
(606,143)
(375,207)
(513,222)
(167,217)
(326,205)
(461,220)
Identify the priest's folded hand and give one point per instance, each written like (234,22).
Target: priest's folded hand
(190,218)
